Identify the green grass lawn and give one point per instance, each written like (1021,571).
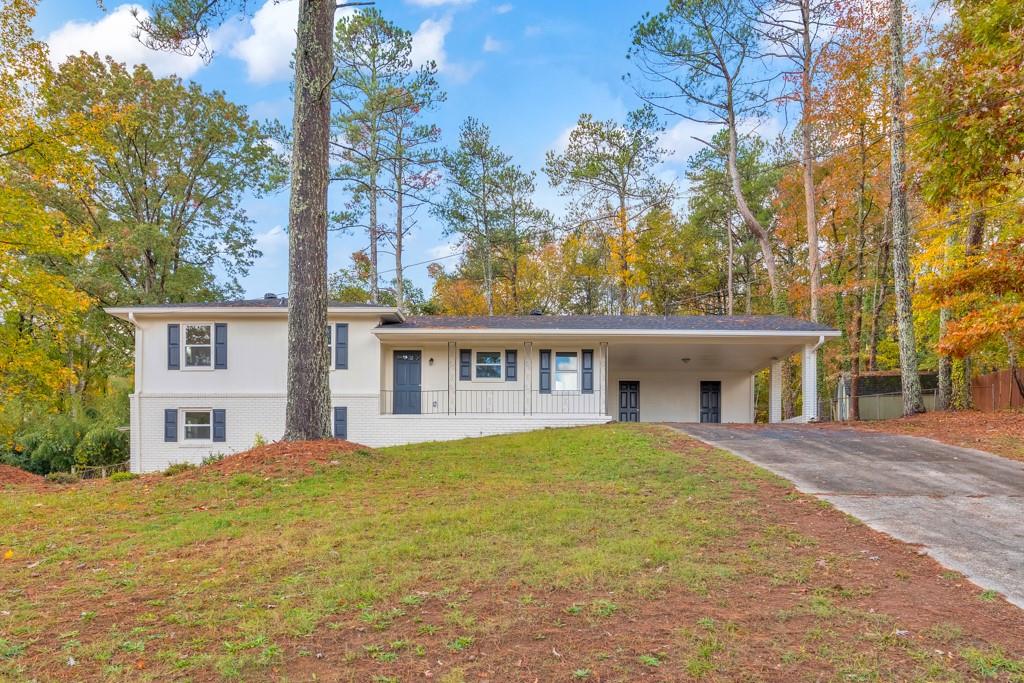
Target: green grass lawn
(608,553)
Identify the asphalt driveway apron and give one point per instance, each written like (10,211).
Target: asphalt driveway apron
(965,507)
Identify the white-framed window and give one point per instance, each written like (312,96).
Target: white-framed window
(197,425)
(487,365)
(567,371)
(198,346)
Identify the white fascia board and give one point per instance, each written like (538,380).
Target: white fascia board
(533,333)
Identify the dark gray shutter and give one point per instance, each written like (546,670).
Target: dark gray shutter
(220,424)
(510,365)
(545,371)
(341,346)
(174,347)
(220,346)
(465,364)
(340,422)
(587,371)
(171,424)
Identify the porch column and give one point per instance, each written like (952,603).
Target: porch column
(775,391)
(604,377)
(810,382)
(453,364)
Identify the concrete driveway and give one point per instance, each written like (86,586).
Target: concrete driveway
(964,506)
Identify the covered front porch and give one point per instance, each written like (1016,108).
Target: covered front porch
(637,377)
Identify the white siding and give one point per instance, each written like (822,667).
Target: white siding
(247,416)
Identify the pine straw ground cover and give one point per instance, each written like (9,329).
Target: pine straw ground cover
(614,553)
(1000,432)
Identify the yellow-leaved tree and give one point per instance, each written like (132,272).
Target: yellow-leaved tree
(38,151)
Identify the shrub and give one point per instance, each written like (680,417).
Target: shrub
(178,468)
(123,476)
(259,440)
(49,445)
(104,444)
(62,478)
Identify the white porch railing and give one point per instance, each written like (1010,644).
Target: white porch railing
(490,402)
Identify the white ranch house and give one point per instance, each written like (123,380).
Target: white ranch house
(210,377)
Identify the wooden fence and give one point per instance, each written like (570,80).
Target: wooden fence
(998,390)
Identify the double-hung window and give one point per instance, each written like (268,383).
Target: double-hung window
(198,425)
(488,365)
(567,371)
(199,346)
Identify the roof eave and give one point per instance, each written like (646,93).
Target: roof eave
(566,332)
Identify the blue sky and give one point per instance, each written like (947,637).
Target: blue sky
(527,68)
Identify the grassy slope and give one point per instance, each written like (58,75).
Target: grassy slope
(205,576)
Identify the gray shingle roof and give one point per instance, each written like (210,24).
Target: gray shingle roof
(755,323)
(279,302)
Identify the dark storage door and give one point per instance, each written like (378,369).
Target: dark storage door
(629,401)
(710,401)
(407,383)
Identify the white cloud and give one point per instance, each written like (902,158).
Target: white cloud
(267,51)
(493,45)
(438,3)
(428,45)
(272,242)
(114,35)
(444,250)
(679,139)
(503,8)
(561,143)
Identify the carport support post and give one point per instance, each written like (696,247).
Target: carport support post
(775,391)
(810,382)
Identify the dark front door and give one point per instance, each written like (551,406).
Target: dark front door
(407,383)
(629,401)
(710,401)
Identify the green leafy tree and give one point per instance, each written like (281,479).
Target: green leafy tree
(471,208)
(608,169)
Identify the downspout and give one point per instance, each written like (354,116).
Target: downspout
(821,340)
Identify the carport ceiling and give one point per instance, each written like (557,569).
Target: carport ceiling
(746,356)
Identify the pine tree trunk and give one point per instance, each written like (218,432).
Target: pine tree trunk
(961,397)
(857,323)
(810,195)
(399,220)
(728,301)
(374,240)
(881,289)
(750,220)
(911,381)
(307,412)
(943,397)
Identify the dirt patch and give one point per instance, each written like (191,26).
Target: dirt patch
(282,458)
(1000,432)
(15,476)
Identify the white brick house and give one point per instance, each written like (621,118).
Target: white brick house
(210,377)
